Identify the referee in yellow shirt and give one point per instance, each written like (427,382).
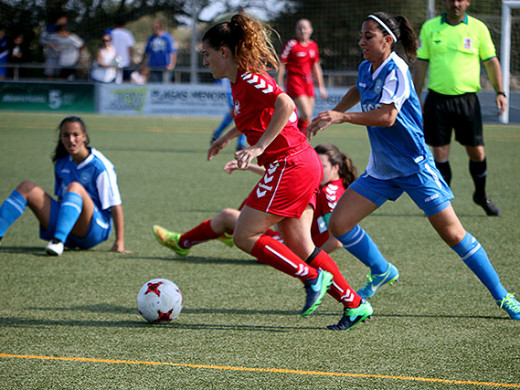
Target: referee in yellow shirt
(452,46)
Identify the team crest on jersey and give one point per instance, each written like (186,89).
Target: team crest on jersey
(468,43)
(85,177)
(379,86)
(237,108)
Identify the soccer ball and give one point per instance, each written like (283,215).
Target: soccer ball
(159,300)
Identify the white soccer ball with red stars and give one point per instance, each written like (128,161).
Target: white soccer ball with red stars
(159,300)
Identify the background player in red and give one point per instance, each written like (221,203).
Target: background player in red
(301,59)
(241,51)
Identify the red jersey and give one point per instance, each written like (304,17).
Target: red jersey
(254,96)
(326,201)
(299,59)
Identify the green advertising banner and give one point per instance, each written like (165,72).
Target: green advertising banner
(58,97)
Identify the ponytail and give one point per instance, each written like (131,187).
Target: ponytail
(401,31)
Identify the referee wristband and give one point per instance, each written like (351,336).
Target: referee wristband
(501,93)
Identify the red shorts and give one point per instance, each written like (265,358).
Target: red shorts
(297,85)
(288,185)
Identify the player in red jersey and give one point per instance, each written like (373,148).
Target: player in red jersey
(338,173)
(301,59)
(241,51)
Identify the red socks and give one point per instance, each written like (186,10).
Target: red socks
(270,251)
(340,289)
(198,234)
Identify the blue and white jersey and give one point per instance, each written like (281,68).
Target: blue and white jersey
(399,150)
(96,173)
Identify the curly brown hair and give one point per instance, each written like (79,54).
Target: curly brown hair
(249,41)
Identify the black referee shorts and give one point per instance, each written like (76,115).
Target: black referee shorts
(442,113)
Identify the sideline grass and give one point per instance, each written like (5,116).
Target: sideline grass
(437,323)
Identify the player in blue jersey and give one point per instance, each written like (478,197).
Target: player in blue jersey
(87,191)
(399,160)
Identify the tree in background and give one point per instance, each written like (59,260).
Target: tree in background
(336,24)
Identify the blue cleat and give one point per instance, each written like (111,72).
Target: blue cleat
(375,282)
(351,317)
(511,305)
(316,288)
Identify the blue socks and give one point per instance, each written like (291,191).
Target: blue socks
(476,258)
(359,244)
(70,210)
(12,208)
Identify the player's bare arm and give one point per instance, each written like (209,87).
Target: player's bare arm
(494,72)
(283,109)
(381,117)
(222,142)
(419,73)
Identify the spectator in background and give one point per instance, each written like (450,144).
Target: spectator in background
(4,52)
(160,54)
(140,76)
(69,45)
(49,46)
(18,54)
(106,66)
(124,42)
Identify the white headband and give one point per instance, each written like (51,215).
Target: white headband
(384,26)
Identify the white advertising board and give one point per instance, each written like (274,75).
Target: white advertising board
(178,100)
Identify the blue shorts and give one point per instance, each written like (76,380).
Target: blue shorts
(427,189)
(98,231)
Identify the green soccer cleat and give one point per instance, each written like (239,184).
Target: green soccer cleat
(226,239)
(316,288)
(375,282)
(511,305)
(351,317)
(169,240)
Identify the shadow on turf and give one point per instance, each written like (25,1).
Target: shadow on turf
(19,322)
(36,250)
(201,260)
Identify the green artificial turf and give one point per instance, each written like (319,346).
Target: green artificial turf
(71,322)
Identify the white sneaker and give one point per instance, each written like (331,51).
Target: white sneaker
(54,248)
